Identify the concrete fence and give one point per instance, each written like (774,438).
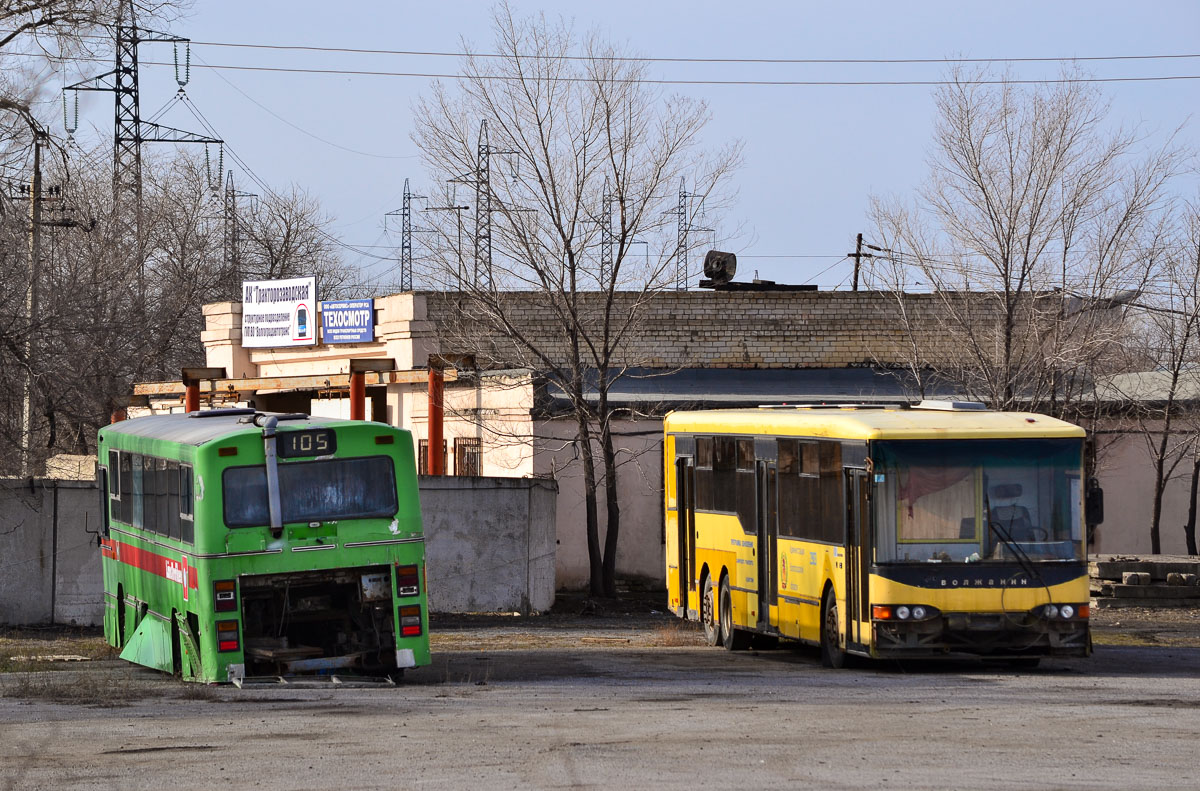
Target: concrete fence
(490,546)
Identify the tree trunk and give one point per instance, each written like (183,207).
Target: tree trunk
(595,559)
(1160,484)
(1189,529)
(611,503)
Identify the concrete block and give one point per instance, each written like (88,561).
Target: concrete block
(1135,578)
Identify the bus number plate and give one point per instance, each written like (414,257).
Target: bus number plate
(309,442)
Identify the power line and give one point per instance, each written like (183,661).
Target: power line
(652,59)
(664,81)
(685,59)
(300,129)
(654,81)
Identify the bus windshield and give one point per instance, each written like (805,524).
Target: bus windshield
(977,500)
(312,491)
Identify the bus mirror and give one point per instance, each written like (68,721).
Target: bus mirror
(1093,503)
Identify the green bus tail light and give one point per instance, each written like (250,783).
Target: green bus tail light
(227,636)
(410,621)
(225,596)
(408,580)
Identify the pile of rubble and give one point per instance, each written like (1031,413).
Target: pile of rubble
(1152,581)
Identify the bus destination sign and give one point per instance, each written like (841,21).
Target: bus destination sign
(307,442)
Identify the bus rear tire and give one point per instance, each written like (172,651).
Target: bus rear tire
(708,613)
(832,654)
(734,639)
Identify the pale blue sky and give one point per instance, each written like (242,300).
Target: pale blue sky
(813,154)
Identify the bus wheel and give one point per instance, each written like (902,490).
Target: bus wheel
(708,613)
(832,654)
(734,639)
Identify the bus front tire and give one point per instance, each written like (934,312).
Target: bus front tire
(708,613)
(832,654)
(732,638)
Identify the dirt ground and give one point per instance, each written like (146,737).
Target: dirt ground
(619,694)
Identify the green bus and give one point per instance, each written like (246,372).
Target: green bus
(240,544)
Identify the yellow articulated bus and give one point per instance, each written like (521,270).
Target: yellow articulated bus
(935,530)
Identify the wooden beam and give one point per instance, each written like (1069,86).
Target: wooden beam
(313,382)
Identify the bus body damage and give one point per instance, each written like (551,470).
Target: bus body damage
(314,622)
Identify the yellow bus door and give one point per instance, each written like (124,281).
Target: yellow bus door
(767,523)
(858,558)
(685,520)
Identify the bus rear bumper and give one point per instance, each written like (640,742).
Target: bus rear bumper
(996,635)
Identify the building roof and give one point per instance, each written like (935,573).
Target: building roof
(871,423)
(658,390)
(213,424)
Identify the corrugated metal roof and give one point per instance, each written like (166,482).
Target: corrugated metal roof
(872,423)
(753,386)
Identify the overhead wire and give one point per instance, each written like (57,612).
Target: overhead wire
(736,83)
(681,59)
(298,128)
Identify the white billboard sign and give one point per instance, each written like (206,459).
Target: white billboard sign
(279,312)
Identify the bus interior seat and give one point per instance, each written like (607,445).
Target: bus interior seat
(1014,520)
(966,528)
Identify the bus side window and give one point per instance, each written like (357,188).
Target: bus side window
(800,490)
(127,487)
(186,520)
(161,499)
(149,507)
(172,499)
(725,474)
(114,488)
(833,504)
(704,474)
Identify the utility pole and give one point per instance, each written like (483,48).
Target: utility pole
(233,236)
(130,131)
(858,255)
(481,179)
(406,232)
(458,210)
(606,237)
(857,261)
(31,303)
(683,228)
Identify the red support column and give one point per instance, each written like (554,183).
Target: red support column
(191,396)
(436,459)
(358,395)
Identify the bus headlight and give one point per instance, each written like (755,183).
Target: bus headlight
(902,612)
(1061,612)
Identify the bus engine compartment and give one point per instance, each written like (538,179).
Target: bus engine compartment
(315,622)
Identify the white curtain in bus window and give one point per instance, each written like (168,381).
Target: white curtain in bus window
(934,503)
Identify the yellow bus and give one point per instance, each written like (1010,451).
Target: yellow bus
(935,530)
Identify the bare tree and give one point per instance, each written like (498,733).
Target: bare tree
(1035,224)
(1163,351)
(94,333)
(583,157)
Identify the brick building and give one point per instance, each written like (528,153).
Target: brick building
(504,417)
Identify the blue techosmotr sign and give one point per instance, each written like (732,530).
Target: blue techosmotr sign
(348,321)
